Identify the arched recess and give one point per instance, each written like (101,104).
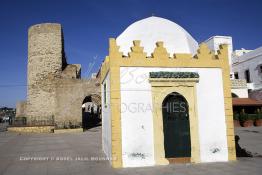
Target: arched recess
(91,111)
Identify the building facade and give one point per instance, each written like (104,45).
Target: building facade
(248,66)
(157,78)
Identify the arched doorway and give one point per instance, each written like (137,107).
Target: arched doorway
(176,128)
(91,110)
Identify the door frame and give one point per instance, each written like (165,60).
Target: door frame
(161,88)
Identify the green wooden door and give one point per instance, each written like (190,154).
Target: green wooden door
(176,126)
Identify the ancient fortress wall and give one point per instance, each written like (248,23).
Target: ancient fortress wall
(44,63)
(55,88)
(70,94)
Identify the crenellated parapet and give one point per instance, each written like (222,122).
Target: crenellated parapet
(160,51)
(203,52)
(137,51)
(161,58)
(222,53)
(114,49)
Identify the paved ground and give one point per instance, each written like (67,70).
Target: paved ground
(250,139)
(3,127)
(14,148)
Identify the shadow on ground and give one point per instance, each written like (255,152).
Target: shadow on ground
(243,152)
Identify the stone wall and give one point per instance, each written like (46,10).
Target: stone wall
(62,131)
(55,88)
(72,71)
(70,94)
(33,129)
(45,52)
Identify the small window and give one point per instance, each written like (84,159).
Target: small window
(236,75)
(260,68)
(105,94)
(247,76)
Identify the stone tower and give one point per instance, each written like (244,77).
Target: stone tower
(55,90)
(45,62)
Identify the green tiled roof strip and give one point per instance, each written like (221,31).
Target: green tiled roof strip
(163,74)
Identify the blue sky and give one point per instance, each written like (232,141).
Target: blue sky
(88,24)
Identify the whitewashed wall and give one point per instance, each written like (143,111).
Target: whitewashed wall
(214,42)
(241,93)
(250,61)
(106,118)
(137,121)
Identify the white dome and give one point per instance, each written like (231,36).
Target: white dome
(153,29)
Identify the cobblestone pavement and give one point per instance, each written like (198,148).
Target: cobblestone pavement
(15,148)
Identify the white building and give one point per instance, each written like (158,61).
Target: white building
(215,41)
(239,88)
(153,66)
(248,66)
(242,51)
